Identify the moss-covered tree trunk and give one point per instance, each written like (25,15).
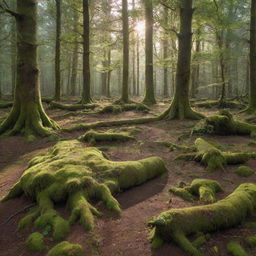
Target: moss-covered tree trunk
(138,64)
(57,51)
(149,79)
(180,106)
(86,94)
(125,84)
(252,89)
(27,115)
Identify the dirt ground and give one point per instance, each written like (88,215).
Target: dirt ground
(127,235)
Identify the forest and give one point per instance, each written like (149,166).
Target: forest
(127,128)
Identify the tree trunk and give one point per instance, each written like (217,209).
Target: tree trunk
(180,106)
(149,73)
(57,51)
(86,94)
(14,53)
(125,84)
(138,64)
(109,74)
(252,90)
(27,115)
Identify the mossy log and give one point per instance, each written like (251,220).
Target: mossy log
(35,242)
(234,248)
(224,124)
(178,224)
(71,107)
(203,188)
(214,158)
(118,108)
(75,174)
(94,136)
(216,104)
(66,249)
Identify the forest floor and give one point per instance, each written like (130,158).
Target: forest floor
(127,235)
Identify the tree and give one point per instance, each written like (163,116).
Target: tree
(57,51)
(27,115)
(86,94)
(150,94)
(180,106)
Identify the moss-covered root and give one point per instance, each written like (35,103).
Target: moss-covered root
(205,189)
(94,136)
(235,249)
(177,224)
(70,107)
(213,158)
(77,175)
(251,241)
(224,124)
(35,242)
(66,249)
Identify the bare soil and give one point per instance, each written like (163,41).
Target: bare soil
(127,235)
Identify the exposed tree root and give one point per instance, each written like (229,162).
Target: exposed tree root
(93,136)
(66,249)
(213,158)
(203,188)
(224,124)
(178,224)
(234,248)
(28,119)
(118,108)
(70,107)
(215,104)
(74,174)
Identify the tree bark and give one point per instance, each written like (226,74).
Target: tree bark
(180,106)
(138,64)
(86,94)
(27,115)
(149,72)
(57,51)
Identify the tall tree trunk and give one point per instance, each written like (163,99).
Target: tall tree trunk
(180,106)
(125,84)
(109,74)
(57,51)
(86,94)
(74,57)
(252,90)
(13,52)
(138,64)
(149,72)
(27,115)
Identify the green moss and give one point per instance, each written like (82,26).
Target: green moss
(66,249)
(251,241)
(77,175)
(177,224)
(182,192)
(250,224)
(199,241)
(235,249)
(118,108)
(35,242)
(93,136)
(244,171)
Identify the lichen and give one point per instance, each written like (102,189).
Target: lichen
(178,224)
(244,171)
(78,175)
(66,249)
(35,242)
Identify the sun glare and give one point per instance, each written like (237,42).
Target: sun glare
(140,27)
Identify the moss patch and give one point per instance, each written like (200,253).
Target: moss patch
(235,249)
(244,171)
(35,242)
(66,249)
(251,241)
(78,175)
(178,224)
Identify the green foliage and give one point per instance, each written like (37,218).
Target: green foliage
(235,249)
(251,241)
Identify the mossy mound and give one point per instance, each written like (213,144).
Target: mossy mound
(176,147)
(75,174)
(93,136)
(224,124)
(234,248)
(216,104)
(214,158)
(118,108)
(244,171)
(251,241)
(178,224)
(66,249)
(203,188)
(35,242)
